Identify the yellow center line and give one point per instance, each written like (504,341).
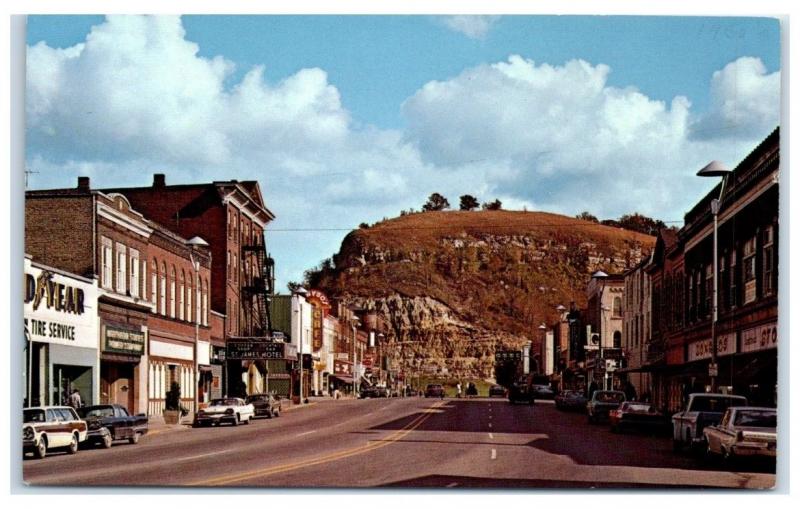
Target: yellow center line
(263,472)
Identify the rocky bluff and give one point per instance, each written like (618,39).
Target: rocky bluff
(455,286)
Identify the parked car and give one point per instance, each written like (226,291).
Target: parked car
(51,427)
(231,410)
(371,391)
(703,409)
(743,431)
(472,390)
(107,423)
(571,400)
(521,391)
(602,403)
(543,392)
(434,391)
(637,415)
(497,390)
(265,405)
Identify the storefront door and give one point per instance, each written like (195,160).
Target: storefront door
(117,384)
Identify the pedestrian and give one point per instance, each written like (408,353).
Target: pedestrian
(458,390)
(75,399)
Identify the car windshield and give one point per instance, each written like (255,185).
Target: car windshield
(33,416)
(224,402)
(715,404)
(756,418)
(609,397)
(103,411)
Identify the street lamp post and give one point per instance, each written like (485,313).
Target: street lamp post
(300,292)
(355,322)
(715,169)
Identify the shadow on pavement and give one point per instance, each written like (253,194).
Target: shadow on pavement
(454,481)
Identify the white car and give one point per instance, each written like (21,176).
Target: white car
(744,431)
(51,427)
(231,410)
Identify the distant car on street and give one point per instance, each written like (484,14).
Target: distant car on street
(107,423)
(637,415)
(571,400)
(602,403)
(51,427)
(497,390)
(743,431)
(231,410)
(541,391)
(703,409)
(265,405)
(434,391)
(521,391)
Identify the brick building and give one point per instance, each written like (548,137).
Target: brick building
(99,235)
(682,274)
(636,325)
(231,217)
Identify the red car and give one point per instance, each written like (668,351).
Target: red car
(635,414)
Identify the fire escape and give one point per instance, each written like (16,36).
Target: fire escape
(257,287)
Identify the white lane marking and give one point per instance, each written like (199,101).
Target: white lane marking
(491,436)
(490,417)
(494,454)
(306,433)
(203,455)
(490,424)
(452,485)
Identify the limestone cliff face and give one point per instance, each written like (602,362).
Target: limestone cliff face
(455,286)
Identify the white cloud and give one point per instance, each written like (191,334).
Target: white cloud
(576,142)
(136,98)
(474,27)
(745,101)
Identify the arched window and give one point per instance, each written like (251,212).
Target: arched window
(181,291)
(205,302)
(154,282)
(198,290)
(617,339)
(617,308)
(172,293)
(163,296)
(189,299)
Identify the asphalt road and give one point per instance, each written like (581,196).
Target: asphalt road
(399,442)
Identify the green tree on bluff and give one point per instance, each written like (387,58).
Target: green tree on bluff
(436,202)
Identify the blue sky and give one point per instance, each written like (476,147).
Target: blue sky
(345,119)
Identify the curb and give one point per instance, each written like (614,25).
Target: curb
(294,407)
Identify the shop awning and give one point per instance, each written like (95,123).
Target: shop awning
(343,378)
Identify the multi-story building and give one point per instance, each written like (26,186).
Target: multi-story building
(636,326)
(141,296)
(682,276)
(231,217)
(604,318)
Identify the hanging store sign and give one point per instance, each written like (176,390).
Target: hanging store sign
(125,341)
(726,345)
(320,306)
(254,350)
(763,337)
(342,368)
